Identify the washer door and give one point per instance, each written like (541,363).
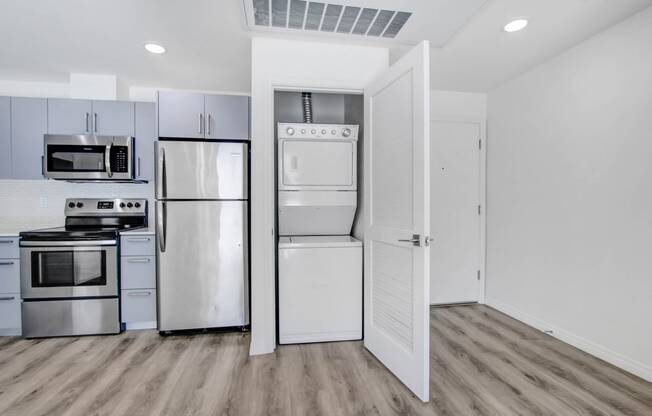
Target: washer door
(317,165)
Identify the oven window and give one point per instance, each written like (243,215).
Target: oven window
(66,158)
(68,268)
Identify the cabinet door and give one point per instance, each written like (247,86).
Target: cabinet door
(227,117)
(113,118)
(69,116)
(145,138)
(29,118)
(5,138)
(180,114)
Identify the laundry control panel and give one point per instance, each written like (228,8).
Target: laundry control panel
(317,131)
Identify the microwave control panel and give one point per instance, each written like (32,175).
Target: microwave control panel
(120,159)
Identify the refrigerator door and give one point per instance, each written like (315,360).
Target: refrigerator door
(201,170)
(202,264)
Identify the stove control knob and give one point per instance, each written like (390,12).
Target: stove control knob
(122,204)
(289,131)
(323,131)
(129,205)
(71,205)
(137,204)
(333,132)
(346,132)
(79,204)
(303,131)
(313,131)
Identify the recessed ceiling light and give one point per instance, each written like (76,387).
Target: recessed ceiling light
(154,48)
(516,25)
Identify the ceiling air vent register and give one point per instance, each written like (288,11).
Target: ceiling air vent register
(328,17)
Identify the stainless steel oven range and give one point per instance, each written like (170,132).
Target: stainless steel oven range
(70,275)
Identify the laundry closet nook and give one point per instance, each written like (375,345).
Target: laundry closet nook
(318,142)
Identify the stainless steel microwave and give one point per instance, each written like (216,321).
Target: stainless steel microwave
(88,157)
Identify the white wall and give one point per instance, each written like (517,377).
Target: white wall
(284,63)
(570,196)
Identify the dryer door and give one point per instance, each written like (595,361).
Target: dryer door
(317,165)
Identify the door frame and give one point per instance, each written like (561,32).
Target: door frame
(482,123)
(263,211)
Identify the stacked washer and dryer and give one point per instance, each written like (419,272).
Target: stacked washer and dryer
(319,263)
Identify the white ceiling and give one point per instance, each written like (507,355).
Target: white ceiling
(209,48)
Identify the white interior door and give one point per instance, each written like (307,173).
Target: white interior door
(396,169)
(455,218)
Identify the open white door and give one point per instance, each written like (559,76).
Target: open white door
(397,219)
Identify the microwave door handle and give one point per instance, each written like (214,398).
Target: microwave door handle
(107,160)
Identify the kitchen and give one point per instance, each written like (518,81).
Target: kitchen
(246,216)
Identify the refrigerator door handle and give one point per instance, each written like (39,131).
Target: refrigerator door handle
(161,174)
(161,225)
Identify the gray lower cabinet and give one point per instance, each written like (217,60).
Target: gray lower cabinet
(180,114)
(69,116)
(145,138)
(5,138)
(138,281)
(10,315)
(227,116)
(29,118)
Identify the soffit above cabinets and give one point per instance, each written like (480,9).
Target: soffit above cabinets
(381,21)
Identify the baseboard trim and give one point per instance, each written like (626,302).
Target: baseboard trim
(632,366)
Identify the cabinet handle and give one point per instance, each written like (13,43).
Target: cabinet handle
(95,122)
(139,294)
(138,168)
(201,123)
(6,263)
(87,128)
(6,241)
(208,125)
(8,298)
(139,239)
(138,260)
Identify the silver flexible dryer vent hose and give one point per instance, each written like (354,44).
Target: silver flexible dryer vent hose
(306,98)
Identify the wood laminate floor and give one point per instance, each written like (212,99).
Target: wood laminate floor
(482,363)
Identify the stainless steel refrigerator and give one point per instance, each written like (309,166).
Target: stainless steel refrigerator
(202,234)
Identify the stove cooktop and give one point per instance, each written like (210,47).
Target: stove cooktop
(75,233)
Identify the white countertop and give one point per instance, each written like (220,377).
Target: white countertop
(139,231)
(9,233)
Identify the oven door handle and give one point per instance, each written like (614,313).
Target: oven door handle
(107,160)
(161,223)
(81,243)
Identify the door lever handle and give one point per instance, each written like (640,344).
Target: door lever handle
(415,240)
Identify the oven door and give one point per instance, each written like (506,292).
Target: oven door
(87,157)
(68,269)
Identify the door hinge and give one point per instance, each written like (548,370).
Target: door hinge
(479,209)
(480,144)
(478,274)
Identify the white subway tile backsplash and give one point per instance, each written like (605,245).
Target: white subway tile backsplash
(30,204)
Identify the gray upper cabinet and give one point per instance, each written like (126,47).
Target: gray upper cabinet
(145,138)
(113,118)
(199,116)
(5,138)
(29,119)
(69,116)
(227,117)
(72,116)
(180,114)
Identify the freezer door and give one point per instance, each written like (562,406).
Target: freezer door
(201,170)
(202,264)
